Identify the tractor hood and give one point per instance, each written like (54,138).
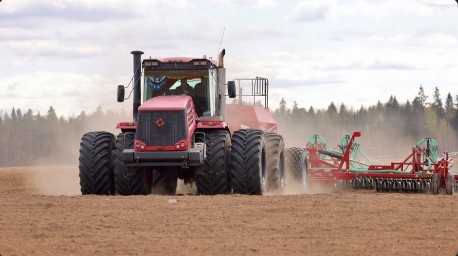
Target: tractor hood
(169,102)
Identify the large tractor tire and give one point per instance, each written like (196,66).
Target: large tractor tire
(296,164)
(212,177)
(450,184)
(96,163)
(275,150)
(164,184)
(128,180)
(436,183)
(248,162)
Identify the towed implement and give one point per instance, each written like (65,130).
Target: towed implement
(182,128)
(348,167)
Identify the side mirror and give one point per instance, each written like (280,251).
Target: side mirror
(231,89)
(120,93)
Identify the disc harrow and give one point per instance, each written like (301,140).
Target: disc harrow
(348,167)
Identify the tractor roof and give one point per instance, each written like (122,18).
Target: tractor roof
(184,59)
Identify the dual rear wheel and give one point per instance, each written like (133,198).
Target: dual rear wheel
(257,164)
(102,171)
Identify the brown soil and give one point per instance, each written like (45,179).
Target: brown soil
(35,219)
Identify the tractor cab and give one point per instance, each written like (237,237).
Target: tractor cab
(183,76)
(200,78)
(194,83)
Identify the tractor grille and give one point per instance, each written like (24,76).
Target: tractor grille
(161,128)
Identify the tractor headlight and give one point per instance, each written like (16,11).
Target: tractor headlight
(200,63)
(151,64)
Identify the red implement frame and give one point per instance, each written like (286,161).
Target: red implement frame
(336,167)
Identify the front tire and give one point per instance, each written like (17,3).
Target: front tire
(96,163)
(212,177)
(248,162)
(128,180)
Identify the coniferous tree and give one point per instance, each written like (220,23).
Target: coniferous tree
(392,104)
(51,116)
(332,110)
(420,99)
(282,108)
(437,103)
(19,114)
(13,115)
(449,107)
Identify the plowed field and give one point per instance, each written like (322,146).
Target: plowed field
(42,213)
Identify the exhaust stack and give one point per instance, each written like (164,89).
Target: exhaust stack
(221,84)
(221,58)
(137,82)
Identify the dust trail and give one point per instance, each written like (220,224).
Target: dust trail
(58,173)
(59,180)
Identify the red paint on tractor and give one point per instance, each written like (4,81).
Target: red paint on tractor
(167,102)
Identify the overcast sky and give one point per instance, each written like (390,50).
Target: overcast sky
(72,54)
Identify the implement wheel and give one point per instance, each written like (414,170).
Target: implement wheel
(128,180)
(96,163)
(450,184)
(248,162)
(275,149)
(213,176)
(436,183)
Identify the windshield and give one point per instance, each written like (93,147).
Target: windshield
(176,83)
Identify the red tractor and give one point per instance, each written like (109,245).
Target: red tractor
(185,130)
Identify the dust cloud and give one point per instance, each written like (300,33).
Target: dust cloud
(57,173)
(186,189)
(57,180)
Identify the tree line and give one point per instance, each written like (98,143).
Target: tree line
(388,129)
(32,138)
